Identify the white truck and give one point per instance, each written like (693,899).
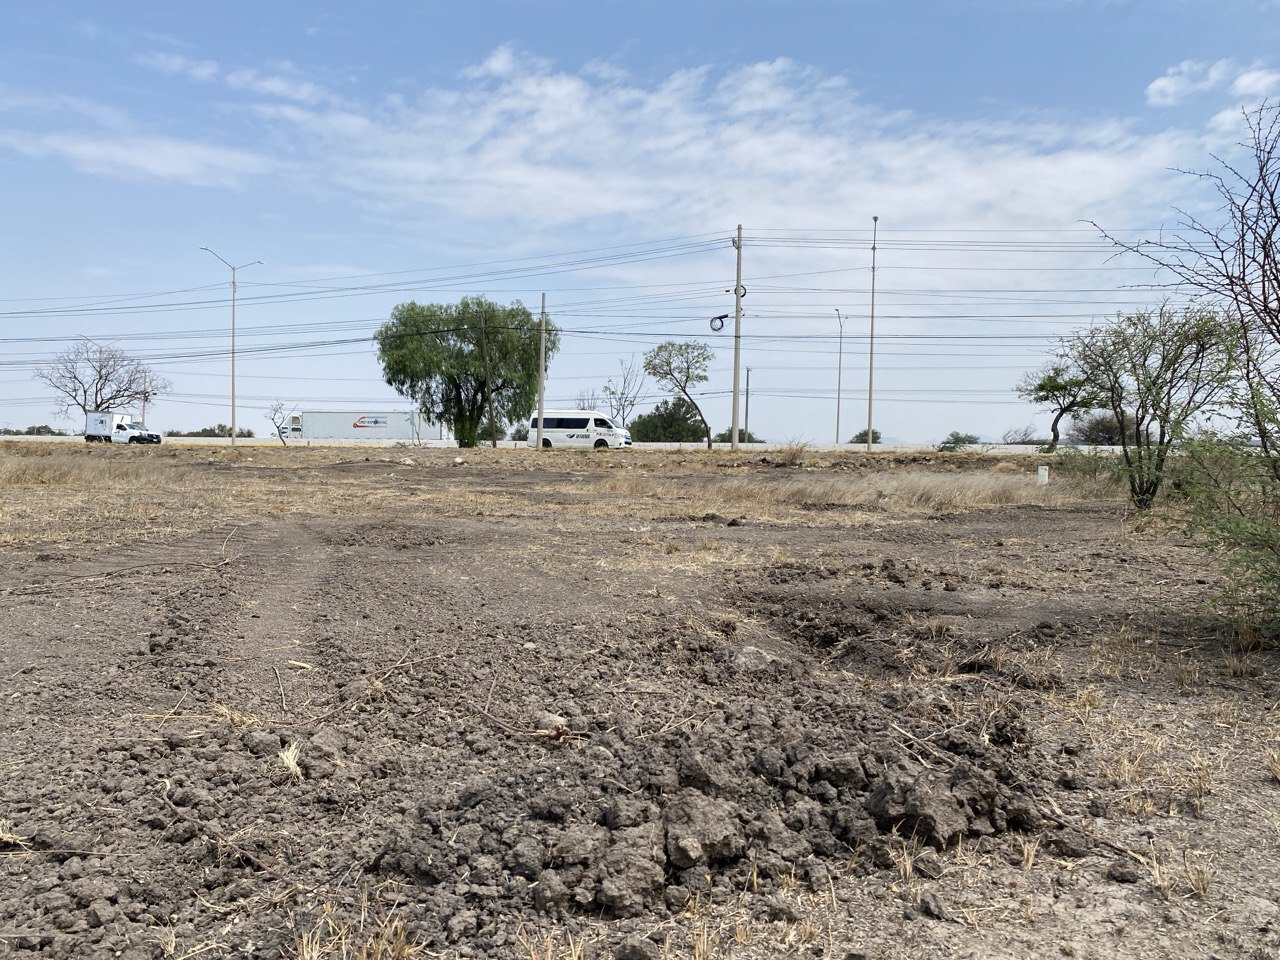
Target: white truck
(103,426)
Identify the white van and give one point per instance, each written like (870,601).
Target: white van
(578,428)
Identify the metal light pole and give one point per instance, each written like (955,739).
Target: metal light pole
(839,374)
(871,349)
(737,340)
(542,368)
(233,336)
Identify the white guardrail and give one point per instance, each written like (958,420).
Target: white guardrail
(995,448)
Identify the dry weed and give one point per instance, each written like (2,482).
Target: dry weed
(1200,874)
(552,946)
(1272,759)
(9,836)
(289,757)
(234,717)
(1029,850)
(362,937)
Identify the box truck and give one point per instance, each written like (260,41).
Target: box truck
(103,426)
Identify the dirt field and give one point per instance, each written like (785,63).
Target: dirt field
(309,703)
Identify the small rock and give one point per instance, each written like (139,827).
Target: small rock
(932,906)
(1123,870)
(635,949)
(549,893)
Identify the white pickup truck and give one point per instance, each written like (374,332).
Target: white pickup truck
(103,426)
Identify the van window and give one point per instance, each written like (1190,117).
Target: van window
(574,423)
(602,422)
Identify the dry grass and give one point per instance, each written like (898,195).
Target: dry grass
(369,935)
(916,491)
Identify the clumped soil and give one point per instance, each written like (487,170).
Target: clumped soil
(469,706)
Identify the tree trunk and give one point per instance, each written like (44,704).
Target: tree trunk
(1053,430)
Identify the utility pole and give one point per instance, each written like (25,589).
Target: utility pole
(747,426)
(871,349)
(542,368)
(488,385)
(146,395)
(839,374)
(737,340)
(233,336)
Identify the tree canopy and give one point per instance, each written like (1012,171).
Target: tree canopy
(1064,389)
(744,436)
(671,421)
(861,436)
(682,366)
(434,354)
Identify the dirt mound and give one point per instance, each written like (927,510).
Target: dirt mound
(619,824)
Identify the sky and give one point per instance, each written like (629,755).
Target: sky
(604,153)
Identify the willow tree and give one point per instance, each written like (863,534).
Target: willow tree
(458,361)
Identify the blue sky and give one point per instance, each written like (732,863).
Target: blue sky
(606,150)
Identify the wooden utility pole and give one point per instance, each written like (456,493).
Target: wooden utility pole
(542,368)
(488,385)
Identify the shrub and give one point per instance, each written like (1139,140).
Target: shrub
(955,440)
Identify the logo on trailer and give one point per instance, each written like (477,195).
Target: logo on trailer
(366,422)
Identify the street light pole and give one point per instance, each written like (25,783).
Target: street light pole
(737,340)
(871,349)
(233,336)
(839,374)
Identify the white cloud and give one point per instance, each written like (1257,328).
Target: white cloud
(500,63)
(283,84)
(131,157)
(200,71)
(1187,78)
(1257,82)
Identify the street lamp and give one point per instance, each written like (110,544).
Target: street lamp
(839,373)
(233,336)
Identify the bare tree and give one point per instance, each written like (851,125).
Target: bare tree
(1015,436)
(589,400)
(681,366)
(278,417)
(1235,262)
(89,376)
(623,394)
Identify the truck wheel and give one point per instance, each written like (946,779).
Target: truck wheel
(546,444)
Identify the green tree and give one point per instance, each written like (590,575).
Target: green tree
(671,421)
(682,366)
(1158,370)
(954,441)
(434,354)
(1096,428)
(861,436)
(744,436)
(1062,388)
